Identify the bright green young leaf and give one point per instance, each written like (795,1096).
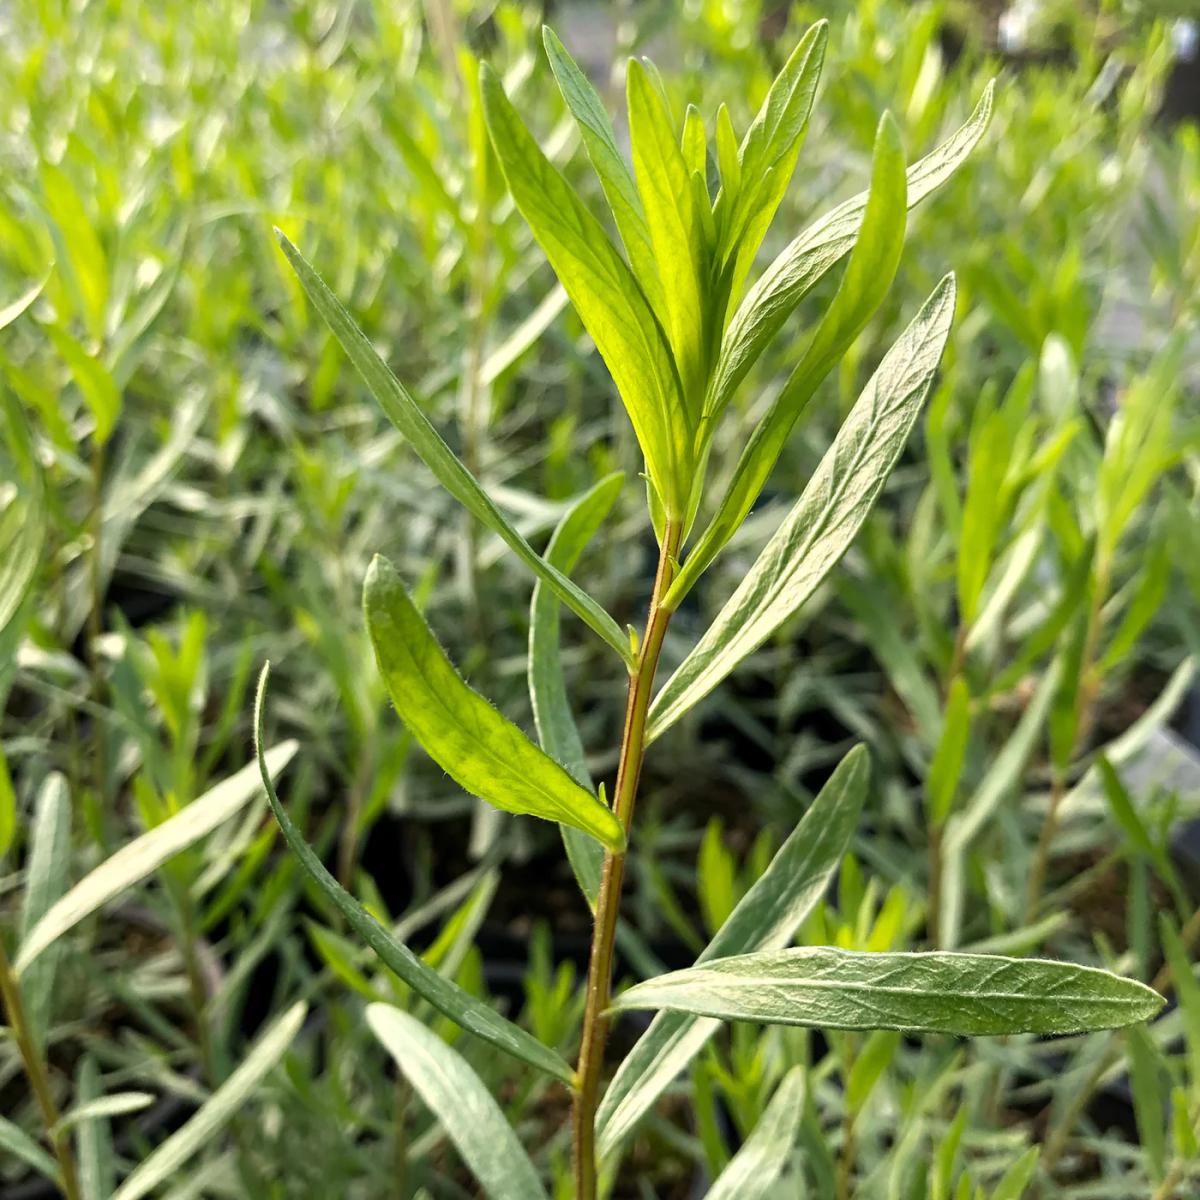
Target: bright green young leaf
(946,767)
(755,1169)
(547,685)
(806,260)
(981,513)
(456,1096)
(868,276)
(674,223)
(1148,595)
(968,995)
(824,521)
(96,385)
(85,257)
(132,863)
(23,522)
(604,292)
(766,918)
(481,750)
(217,1111)
(14,308)
(461,1007)
(402,410)
(600,141)
(1017,1178)
(768,154)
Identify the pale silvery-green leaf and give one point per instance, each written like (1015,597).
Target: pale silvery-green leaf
(132,863)
(402,410)
(198,1131)
(969,995)
(14,308)
(456,1096)
(604,292)
(766,918)
(460,1006)
(547,686)
(615,177)
(481,750)
(674,223)
(803,263)
(868,277)
(824,521)
(755,1169)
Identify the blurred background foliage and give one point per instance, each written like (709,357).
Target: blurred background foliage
(194,479)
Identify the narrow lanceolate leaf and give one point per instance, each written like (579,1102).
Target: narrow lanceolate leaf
(869,275)
(824,521)
(766,918)
(456,1096)
(969,995)
(14,308)
(674,223)
(608,299)
(23,523)
(145,854)
(217,1111)
(481,750)
(755,1169)
(600,141)
(461,1007)
(115,1105)
(402,410)
(802,264)
(15,1141)
(547,685)
(768,154)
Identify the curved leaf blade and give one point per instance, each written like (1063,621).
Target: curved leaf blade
(402,410)
(826,518)
(145,854)
(968,995)
(457,1097)
(450,1000)
(481,750)
(547,685)
(766,918)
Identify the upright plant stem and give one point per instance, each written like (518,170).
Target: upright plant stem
(39,1078)
(608,902)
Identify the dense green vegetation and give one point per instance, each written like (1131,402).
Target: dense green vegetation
(196,479)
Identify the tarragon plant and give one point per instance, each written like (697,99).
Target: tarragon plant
(680,331)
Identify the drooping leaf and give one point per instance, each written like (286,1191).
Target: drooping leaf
(969,995)
(600,141)
(460,1006)
(475,745)
(547,685)
(403,411)
(456,1096)
(755,1169)
(824,521)
(868,277)
(217,1111)
(766,918)
(802,264)
(145,854)
(608,299)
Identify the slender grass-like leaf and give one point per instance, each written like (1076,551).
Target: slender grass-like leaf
(824,521)
(475,745)
(755,1169)
(19,1144)
(674,223)
(23,525)
(96,385)
(868,277)
(945,769)
(547,685)
(132,863)
(600,141)
(604,292)
(766,918)
(403,411)
(14,308)
(217,1111)
(456,1096)
(461,1007)
(802,264)
(969,995)
(114,1105)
